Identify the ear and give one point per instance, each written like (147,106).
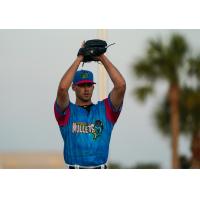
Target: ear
(73,87)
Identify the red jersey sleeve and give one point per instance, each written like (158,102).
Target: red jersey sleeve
(111,113)
(61,117)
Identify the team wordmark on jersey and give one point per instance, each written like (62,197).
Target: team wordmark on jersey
(88,128)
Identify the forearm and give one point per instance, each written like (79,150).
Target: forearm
(67,78)
(113,72)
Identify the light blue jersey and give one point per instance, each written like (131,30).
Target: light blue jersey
(86,134)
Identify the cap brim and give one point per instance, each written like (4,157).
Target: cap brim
(84,81)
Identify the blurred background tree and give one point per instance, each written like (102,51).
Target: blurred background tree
(114,165)
(193,108)
(146,166)
(185,162)
(140,165)
(189,106)
(164,62)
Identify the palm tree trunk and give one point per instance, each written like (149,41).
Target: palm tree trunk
(174,94)
(195,148)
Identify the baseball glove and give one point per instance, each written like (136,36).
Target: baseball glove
(93,48)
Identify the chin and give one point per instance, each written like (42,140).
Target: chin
(86,100)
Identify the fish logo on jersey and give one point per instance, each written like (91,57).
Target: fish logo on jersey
(81,127)
(98,127)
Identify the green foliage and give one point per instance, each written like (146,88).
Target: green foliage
(194,69)
(190,109)
(142,92)
(143,69)
(162,61)
(189,106)
(177,49)
(167,62)
(185,163)
(162,117)
(147,166)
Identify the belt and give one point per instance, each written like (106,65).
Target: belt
(86,167)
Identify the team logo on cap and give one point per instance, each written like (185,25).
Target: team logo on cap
(84,75)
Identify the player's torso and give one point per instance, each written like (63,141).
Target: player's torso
(87,134)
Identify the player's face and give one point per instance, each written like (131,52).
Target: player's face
(84,91)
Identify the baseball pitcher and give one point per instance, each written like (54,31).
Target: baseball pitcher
(86,127)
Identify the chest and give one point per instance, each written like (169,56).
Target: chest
(92,122)
(83,115)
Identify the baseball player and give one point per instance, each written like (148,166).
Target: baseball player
(86,127)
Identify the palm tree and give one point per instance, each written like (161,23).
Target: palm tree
(164,62)
(189,106)
(194,72)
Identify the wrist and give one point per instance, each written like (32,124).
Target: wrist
(101,57)
(80,58)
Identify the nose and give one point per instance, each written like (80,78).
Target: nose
(86,88)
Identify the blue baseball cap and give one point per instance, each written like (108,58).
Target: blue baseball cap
(83,76)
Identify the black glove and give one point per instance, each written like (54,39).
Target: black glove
(92,49)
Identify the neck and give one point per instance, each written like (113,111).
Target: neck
(83,103)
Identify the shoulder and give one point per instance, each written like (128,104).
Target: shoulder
(62,117)
(106,106)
